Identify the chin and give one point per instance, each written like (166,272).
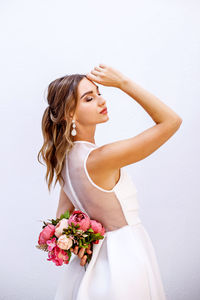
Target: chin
(105,120)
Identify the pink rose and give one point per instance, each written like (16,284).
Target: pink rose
(79,217)
(64,242)
(97,227)
(60,226)
(46,234)
(58,256)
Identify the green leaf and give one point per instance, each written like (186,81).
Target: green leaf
(97,234)
(69,253)
(66,215)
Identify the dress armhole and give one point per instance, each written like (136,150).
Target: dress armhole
(92,182)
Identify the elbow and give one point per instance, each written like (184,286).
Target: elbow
(179,121)
(175,125)
(176,122)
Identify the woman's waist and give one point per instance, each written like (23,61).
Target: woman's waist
(130,218)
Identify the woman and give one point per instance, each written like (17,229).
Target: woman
(92,179)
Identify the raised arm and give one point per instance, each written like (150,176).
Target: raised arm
(115,155)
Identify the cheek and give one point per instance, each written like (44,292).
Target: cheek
(87,112)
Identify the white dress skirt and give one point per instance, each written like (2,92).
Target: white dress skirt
(124,263)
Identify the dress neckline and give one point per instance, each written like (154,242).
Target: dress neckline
(84,142)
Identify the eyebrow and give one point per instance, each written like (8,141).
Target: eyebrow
(90,92)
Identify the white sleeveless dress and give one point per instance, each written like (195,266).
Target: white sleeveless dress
(124,263)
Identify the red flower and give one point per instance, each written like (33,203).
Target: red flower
(46,234)
(58,256)
(97,227)
(79,217)
(95,242)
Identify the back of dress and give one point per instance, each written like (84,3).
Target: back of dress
(113,208)
(123,263)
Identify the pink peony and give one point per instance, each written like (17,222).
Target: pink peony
(60,226)
(97,227)
(46,234)
(79,217)
(58,256)
(64,242)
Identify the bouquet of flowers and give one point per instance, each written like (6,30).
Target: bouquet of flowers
(59,237)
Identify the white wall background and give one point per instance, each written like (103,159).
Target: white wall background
(156,43)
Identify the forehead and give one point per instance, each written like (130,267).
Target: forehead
(86,85)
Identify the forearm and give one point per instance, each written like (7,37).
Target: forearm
(62,210)
(157,110)
(64,204)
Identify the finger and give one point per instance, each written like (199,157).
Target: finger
(102,66)
(83,260)
(89,251)
(99,69)
(92,77)
(76,250)
(81,252)
(94,72)
(89,246)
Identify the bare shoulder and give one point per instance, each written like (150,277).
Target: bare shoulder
(113,156)
(103,176)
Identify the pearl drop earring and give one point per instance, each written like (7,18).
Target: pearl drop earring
(73,132)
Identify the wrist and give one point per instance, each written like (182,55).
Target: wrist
(123,82)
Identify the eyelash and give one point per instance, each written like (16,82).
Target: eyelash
(90,99)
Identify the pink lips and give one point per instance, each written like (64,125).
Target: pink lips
(104,111)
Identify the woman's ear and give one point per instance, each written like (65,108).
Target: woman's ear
(71,115)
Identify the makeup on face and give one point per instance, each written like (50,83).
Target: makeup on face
(90,92)
(104,111)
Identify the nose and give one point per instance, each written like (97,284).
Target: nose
(102,101)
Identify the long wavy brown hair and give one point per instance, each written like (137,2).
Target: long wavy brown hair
(56,125)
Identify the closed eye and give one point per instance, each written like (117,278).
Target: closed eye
(89,99)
